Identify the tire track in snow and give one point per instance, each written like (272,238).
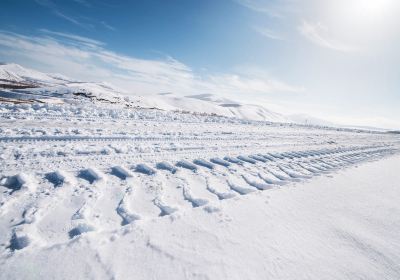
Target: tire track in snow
(148,193)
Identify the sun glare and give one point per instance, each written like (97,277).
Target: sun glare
(370,10)
(360,20)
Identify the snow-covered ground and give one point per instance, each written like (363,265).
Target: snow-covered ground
(97,186)
(104,192)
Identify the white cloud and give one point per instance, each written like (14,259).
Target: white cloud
(318,34)
(87,59)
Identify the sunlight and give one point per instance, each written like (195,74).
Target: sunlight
(369,10)
(360,21)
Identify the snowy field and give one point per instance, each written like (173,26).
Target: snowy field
(102,192)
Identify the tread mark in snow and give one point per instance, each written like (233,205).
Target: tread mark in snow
(204,163)
(166,166)
(259,158)
(187,165)
(247,159)
(165,209)
(143,168)
(239,189)
(233,160)
(19,241)
(258,185)
(121,172)
(80,229)
(220,162)
(91,175)
(125,214)
(196,202)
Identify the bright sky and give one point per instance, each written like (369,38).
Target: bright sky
(333,59)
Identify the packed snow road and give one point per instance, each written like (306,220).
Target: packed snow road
(67,172)
(44,138)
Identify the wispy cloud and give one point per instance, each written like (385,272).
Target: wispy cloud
(287,14)
(46,3)
(73,20)
(267,7)
(319,35)
(108,26)
(266,32)
(87,59)
(72,37)
(278,9)
(57,12)
(83,2)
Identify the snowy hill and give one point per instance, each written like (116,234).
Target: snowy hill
(17,73)
(19,84)
(22,83)
(210,104)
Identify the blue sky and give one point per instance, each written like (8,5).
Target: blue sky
(336,60)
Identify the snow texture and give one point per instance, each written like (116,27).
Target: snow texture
(93,186)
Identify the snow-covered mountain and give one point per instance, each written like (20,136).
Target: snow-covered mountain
(209,104)
(20,84)
(18,74)
(17,82)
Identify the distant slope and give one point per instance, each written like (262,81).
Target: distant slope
(20,84)
(210,104)
(17,82)
(308,120)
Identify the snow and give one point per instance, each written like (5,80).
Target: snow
(121,172)
(97,187)
(186,164)
(24,74)
(143,168)
(204,163)
(342,226)
(60,178)
(28,84)
(19,181)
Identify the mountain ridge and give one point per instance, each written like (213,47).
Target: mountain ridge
(21,84)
